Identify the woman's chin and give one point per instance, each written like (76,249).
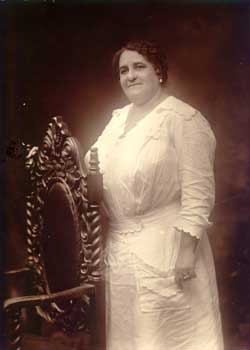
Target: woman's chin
(137,99)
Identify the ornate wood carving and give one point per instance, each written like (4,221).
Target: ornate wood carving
(56,176)
(63,205)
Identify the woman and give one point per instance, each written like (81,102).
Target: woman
(157,155)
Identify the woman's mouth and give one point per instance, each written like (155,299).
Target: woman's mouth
(135,84)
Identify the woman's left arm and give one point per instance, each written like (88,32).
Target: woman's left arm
(195,144)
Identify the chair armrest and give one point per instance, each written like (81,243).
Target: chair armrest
(16,282)
(43,299)
(13,273)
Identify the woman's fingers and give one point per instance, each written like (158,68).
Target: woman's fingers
(183,276)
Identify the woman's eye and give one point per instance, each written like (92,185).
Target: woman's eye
(140,66)
(123,71)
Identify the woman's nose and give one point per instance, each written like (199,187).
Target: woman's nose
(131,75)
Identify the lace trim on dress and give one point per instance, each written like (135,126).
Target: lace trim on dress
(190,233)
(154,130)
(171,106)
(115,122)
(158,290)
(148,277)
(192,230)
(177,107)
(132,228)
(149,268)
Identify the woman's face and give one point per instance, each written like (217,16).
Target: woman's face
(138,77)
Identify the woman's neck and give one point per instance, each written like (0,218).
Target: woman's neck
(139,111)
(142,109)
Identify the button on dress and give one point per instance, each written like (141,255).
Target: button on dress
(159,184)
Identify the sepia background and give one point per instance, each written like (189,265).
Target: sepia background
(58,62)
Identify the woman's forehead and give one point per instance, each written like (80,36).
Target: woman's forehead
(130,56)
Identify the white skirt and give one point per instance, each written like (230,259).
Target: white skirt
(146,310)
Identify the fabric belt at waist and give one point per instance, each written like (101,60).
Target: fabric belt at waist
(133,224)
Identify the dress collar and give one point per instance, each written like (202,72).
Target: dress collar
(158,109)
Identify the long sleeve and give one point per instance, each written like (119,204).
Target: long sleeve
(195,146)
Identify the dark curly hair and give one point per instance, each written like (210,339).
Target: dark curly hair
(149,50)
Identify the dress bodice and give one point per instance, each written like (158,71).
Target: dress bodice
(148,167)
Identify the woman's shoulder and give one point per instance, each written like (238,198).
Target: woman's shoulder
(178,107)
(184,113)
(182,120)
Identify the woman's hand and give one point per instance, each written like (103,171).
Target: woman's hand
(185,267)
(185,263)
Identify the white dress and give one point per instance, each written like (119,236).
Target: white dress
(159,177)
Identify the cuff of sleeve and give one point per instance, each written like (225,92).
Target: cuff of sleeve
(193,230)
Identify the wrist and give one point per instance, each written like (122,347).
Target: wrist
(187,242)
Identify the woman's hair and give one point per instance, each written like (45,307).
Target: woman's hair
(149,50)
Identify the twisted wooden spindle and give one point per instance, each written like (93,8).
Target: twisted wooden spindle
(30,234)
(15,326)
(94,185)
(96,242)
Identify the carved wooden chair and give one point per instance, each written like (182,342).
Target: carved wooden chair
(63,236)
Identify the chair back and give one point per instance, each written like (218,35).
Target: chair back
(60,238)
